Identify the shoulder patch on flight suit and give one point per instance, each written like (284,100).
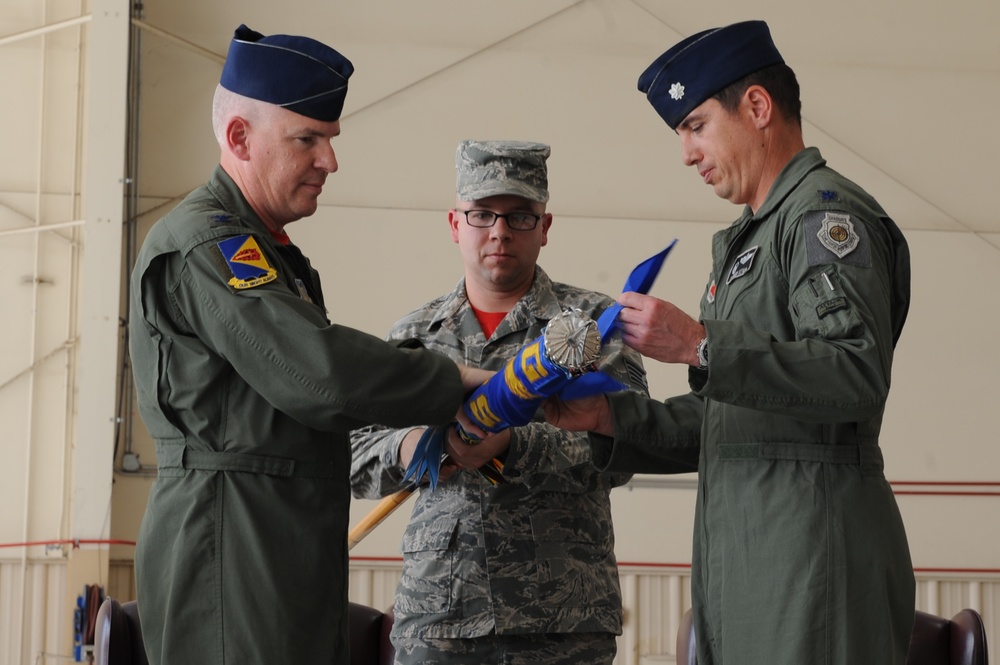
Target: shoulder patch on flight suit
(834,236)
(247,264)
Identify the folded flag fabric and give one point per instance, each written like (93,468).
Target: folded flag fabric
(640,280)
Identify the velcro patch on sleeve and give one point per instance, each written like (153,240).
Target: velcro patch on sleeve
(834,237)
(247,264)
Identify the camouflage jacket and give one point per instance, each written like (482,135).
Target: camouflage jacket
(534,554)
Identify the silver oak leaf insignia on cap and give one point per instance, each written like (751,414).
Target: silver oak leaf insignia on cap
(676,91)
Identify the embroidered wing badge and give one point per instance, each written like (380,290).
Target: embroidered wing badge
(246,262)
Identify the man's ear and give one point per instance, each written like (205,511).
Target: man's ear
(760,104)
(237,137)
(454,219)
(546,222)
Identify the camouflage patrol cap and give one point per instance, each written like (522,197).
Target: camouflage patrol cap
(492,168)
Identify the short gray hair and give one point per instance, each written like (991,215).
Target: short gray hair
(225,105)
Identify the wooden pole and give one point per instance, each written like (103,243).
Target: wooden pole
(382,510)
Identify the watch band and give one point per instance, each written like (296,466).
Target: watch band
(702,351)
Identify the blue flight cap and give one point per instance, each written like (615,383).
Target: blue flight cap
(296,73)
(696,68)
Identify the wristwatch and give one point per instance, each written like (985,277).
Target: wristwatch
(702,351)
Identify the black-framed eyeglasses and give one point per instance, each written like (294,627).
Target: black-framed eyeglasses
(484,219)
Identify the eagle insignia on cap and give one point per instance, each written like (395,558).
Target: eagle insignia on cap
(676,91)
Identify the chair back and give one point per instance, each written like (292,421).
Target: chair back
(687,654)
(368,631)
(960,640)
(968,639)
(118,634)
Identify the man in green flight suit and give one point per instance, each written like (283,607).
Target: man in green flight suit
(800,555)
(250,391)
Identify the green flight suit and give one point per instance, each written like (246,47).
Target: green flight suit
(250,392)
(800,556)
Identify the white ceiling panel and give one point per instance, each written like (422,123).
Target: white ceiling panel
(900,96)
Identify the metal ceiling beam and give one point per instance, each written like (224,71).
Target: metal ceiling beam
(44,30)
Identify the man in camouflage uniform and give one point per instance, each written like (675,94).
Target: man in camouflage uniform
(524,571)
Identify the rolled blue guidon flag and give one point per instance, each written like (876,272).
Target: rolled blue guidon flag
(569,345)
(561,361)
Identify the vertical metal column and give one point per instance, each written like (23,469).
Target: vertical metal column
(101,272)
(101,265)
